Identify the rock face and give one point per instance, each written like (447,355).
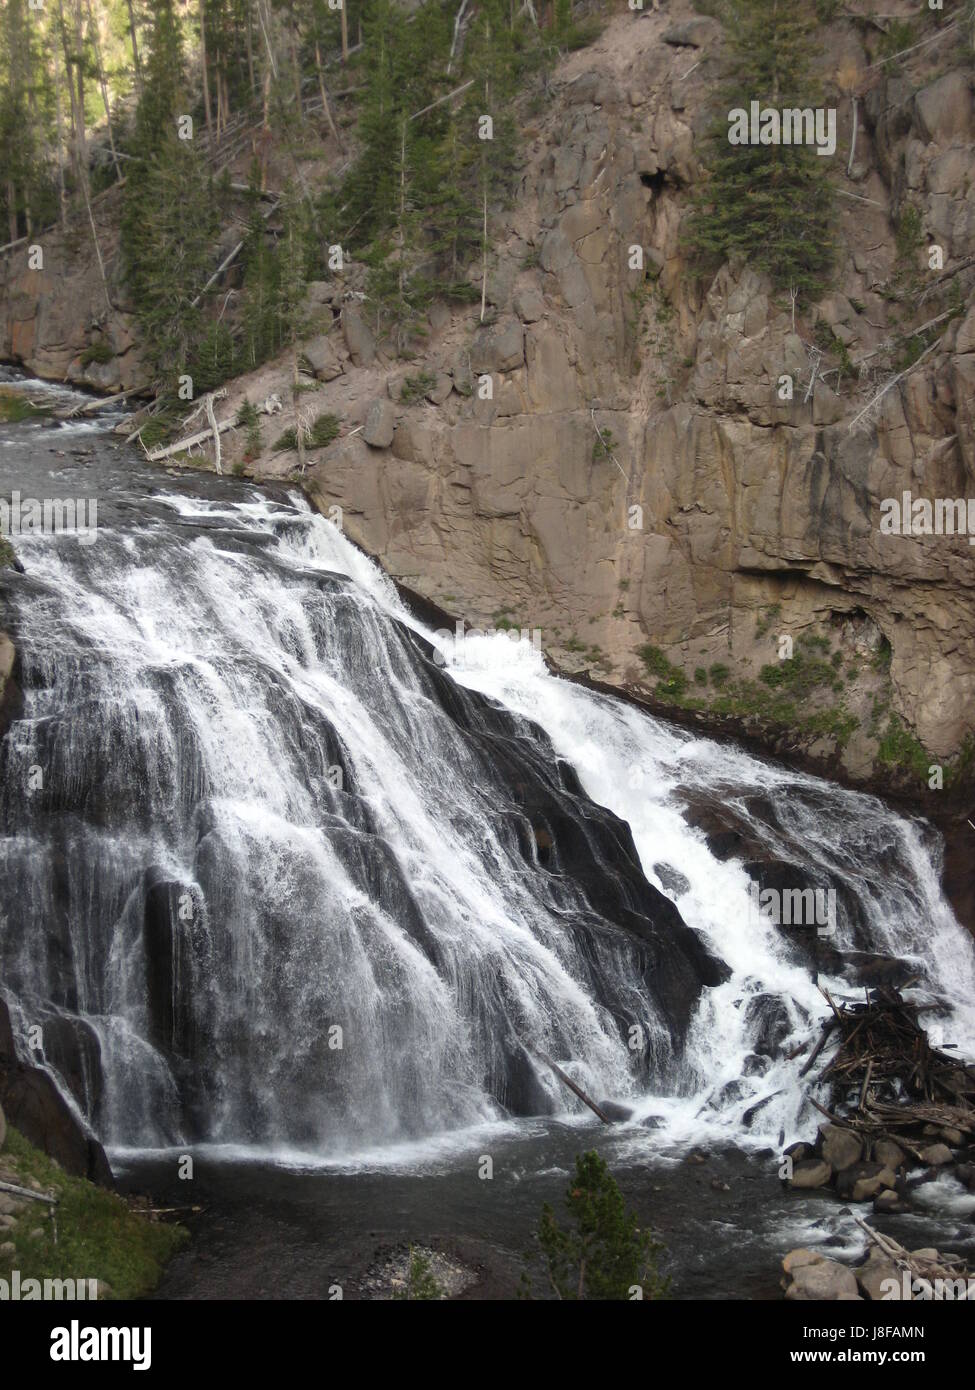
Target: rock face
(50,315)
(721,518)
(380,424)
(33,1104)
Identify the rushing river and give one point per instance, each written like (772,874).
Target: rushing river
(300,886)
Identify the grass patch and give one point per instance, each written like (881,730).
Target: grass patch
(14,407)
(99,1235)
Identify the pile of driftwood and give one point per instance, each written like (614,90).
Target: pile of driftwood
(886,1073)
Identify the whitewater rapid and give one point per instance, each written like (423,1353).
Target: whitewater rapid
(217,696)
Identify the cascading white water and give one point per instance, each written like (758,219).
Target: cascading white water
(262,823)
(640,767)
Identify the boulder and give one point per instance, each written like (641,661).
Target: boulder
(322,358)
(614,1111)
(870,1185)
(872,1277)
(945,108)
(442,388)
(380,424)
(797,1258)
(888,1153)
(358,338)
(811,1172)
(498,348)
(841,1148)
(965,341)
(862,1181)
(825,1280)
(529,305)
(693,33)
(936,1155)
(889,1203)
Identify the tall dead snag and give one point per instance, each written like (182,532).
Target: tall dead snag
(96,44)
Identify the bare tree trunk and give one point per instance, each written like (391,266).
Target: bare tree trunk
(324,95)
(93,27)
(62,195)
(136,64)
(12,228)
(80,76)
(250,49)
(295,64)
(345,33)
(212,421)
(457,23)
(98,249)
(402,232)
(203,64)
(853,139)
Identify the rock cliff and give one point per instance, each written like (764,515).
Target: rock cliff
(611,456)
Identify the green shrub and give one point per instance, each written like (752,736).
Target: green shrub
(414,388)
(98,351)
(324,431)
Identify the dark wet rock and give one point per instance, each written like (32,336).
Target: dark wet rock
(614,1111)
(33,1104)
(755,1065)
(768,1018)
(673,881)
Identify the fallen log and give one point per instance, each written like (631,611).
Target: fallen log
(89,407)
(26,1192)
(587,1100)
(154,455)
(829,1028)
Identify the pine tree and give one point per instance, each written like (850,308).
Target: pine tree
(771,203)
(602,1253)
(170,221)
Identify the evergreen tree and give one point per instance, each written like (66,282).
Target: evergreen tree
(602,1253)
(170,218)
(770,203)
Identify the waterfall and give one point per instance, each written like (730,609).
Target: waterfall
(287,870)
